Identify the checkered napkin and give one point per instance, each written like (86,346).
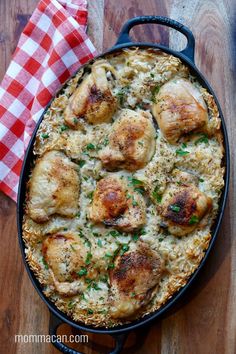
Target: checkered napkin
(52,46)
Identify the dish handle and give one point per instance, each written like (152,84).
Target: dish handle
(124,37)
(55,322)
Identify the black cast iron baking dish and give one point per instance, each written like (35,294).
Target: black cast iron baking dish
(120,332)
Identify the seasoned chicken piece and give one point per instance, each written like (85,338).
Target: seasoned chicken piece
(136,274)
(53,187)
(93,99)
(179,109)
(183,205)
(65,255)
(116,204)
(131,142)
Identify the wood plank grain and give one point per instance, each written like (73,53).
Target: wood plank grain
(205,320)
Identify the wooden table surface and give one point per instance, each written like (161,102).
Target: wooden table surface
(206,321)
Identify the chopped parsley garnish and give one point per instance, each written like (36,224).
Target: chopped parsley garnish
(45,136)
(71,304)
(155,91)
(201,180)
(114,233)
(121,94)
(75,120)
(202,139)
(134,181)
(103,278)
(99,242)
(182,152)
(160,239)
(111,266)
(134,203)
(156,195)
(90,195)
(81,163)
(175,208)
(95,286)
(152,75)
(133,294)
(82,271)
(124,248)
(90,146)
(140,190)
(44,263)
(88,258)
(193,220)
(89,311)
(108,255)
(63,128)
(184,145)
(72,247)
(105,141)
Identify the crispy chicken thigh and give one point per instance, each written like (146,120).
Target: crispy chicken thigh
(116,204)
(65,256)
(93,99)
(131,142)
(179,109)
(183,206)
(136,274)
(54,187)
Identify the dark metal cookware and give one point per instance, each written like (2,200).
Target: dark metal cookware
(119,333)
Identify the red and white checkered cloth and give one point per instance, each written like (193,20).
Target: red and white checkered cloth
(51,48)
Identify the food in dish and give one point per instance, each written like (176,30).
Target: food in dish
(124,188)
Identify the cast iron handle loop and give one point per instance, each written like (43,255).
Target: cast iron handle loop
(124,37)
(55,322)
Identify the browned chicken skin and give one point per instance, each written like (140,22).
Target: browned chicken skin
(183,206)
(115,204)
(135,275)
(131,143)
(54,187)
(179,109)
(65,256)
(93,99)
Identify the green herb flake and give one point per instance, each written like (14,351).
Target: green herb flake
(111,266)
(156,195)
(88,258)
(63,128)
(75,120)
(114,233)
(184,145)
(108,255)
(45,136)
(174,208)
(81,163)
(99,242)
(89,311)
(201,180)
(103,278)
(155,91)
(82,271)
(182,152)
(95,286)
(140,190)
(90,146)
(193,220)
(90,195)
(152,75)
(132,294)
(105,141)
(71,304)
(45,263)
(124,248)
(134,181)
(135,237)
(202,139)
